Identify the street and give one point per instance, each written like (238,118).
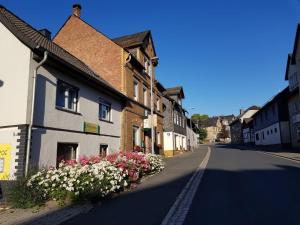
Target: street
(239,187)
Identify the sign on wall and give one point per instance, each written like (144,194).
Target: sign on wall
(5,152)
(91,128)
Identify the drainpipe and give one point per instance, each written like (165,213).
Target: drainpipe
(32,110)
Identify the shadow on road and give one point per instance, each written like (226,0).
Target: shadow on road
(242,196)
(273,148)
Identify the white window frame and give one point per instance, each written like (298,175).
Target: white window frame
(145,95)
(135,89)
(108,105)
(136,140)
(158,104)
(67,101)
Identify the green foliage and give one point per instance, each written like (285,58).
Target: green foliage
(22,196)
(202,134)
(200,117)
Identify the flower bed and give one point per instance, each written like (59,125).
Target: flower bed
(93,177)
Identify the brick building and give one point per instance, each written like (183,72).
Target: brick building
(127,63)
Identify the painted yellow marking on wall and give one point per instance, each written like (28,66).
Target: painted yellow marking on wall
(5,152)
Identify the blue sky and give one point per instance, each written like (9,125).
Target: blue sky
(226,54)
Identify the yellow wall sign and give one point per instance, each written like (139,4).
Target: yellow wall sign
(5,152)
(91,128)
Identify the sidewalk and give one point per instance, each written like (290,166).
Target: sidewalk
(166,185)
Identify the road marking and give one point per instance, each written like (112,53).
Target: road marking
(180,208)
(280,156)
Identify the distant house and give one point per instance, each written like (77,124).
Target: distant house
(271,122)
(293,76)
(248,131)
(213,127)
(236,130)
(225,132)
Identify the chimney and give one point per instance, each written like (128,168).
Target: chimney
(242,111)
(46,33)
(76,10)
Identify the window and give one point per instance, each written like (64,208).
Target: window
(263,135)
(66,152)
(148,66)
(257,137)
(135,136)
(275,130)
(66,96)
(177,119)
(158,138)
(174,115)
(268,132)
(135,90)
(298,133)
(145,96)
(105,111)
(103,150)
(271,131)
(158,104)
(1,165)
(297,106)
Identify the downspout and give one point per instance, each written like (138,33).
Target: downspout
(32,111)
(125,110)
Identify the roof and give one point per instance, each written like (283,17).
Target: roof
(175,91)
(281,95)
(248,120)
(238,118)
(32,38)
(293,58)
(228,117)
(132,39)
(210,122)
(288,63)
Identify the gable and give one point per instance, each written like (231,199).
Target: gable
(96,50)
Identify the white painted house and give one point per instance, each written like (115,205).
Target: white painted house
(271,122)
(75,111)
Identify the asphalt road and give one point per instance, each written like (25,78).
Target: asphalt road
(151,201)
(242,187)
(239,187)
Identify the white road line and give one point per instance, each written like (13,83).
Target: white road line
(180,208)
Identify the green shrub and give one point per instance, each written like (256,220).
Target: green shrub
(22,196)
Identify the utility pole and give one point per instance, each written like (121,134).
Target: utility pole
(151,99)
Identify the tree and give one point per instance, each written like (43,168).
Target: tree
(202,134)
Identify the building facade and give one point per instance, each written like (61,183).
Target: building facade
(248,131)
(271,122)
(75,111)
(127,63)
(292,75)
(236,128)
(191,135)
(175,130)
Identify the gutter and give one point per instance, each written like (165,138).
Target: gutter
(28,146)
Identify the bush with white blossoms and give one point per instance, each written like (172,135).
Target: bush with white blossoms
(156,162)
(94,176)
